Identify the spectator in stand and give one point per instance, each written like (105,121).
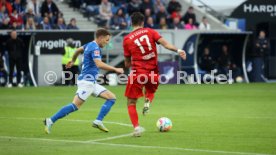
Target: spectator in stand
(15,26)
(157,5)
(146,5)
(190,25)
(16,18)
(163,24)
(161,14)
(28,14)
(91,7)
(49,8)
(3,15)
(34,5)
(133,6)
(52,19)
(45,24)
(164,2)
(204,25)
(5,25)
(118,21)
(173,6)
(175,14)
(30,24)
(8,6)
(105,15)
(60,24)
(189,14)
(150,23)
(17,5)
(120,4)
(148,14)
(73,24)
(176,24)
(15,47)
(60,15)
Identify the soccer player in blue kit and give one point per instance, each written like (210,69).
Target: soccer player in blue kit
(87,82)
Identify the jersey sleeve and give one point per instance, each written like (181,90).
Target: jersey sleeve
(84,46)
(96,53)
(126,51)
(156,35)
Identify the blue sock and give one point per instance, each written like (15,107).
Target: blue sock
(64,111)
(105,108)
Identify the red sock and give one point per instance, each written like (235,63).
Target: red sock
(133,115)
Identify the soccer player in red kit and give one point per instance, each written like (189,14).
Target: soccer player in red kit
(141,54)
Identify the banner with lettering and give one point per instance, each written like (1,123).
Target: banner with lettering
(54,42)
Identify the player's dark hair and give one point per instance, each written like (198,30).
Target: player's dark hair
(137,18)
(102,32)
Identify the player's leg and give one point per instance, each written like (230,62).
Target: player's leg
(133,115)
(11,69)
(110,99)
(132,112)
(133,92)
(18,64)
(66,110)
(84,91)
(150,89)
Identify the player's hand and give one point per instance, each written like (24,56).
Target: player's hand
(119,70)
(182,54)
(69,64)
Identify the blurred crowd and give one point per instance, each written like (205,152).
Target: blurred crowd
(32,15)
(112,14)
(159,14)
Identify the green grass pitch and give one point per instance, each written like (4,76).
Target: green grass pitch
(207,119)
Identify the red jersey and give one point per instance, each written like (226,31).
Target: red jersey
(140,45)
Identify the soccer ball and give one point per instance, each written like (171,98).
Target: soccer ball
(239,79)
(164,124)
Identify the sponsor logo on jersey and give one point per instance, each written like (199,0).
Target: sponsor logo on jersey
(97,53)
(149,56)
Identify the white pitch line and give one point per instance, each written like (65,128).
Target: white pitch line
(110,138)
(122,124)
(75,120)
(96,141)
(131,146)
(178,148)
(70,120)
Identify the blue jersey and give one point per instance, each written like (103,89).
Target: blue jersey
(89,70)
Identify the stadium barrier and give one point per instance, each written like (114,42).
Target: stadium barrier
(44,50)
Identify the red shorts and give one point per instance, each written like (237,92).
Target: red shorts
(137,81)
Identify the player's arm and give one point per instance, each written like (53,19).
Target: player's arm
(127,62)
(75,56)
(171,47)
(107,67)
